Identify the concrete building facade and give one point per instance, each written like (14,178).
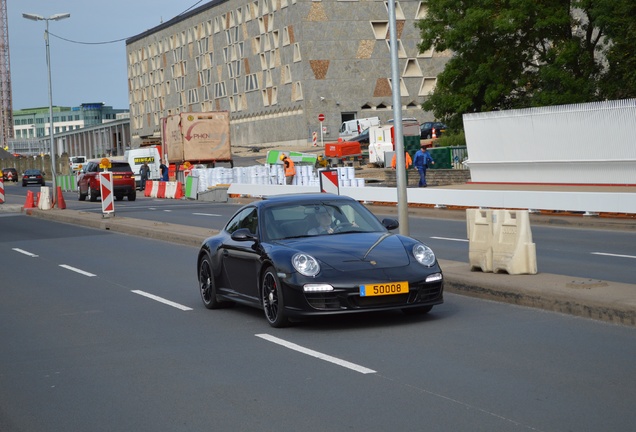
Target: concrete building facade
(275,65)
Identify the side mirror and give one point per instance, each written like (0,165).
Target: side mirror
(390,224)
(243,234)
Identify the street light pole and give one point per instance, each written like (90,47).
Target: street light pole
(56,17)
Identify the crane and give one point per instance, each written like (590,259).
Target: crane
(6,103)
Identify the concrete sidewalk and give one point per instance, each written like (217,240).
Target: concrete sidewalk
(600,300)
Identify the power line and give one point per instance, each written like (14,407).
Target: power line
(116,40)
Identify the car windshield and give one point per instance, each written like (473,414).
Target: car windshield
(32,172)
(317,218)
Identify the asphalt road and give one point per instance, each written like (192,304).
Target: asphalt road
(584,252)
(106,332)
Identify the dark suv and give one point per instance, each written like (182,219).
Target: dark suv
(88,183)
(10,174)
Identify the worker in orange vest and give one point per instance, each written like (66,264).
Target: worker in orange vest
(290,169)
(407,160)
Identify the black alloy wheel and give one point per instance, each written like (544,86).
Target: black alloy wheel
(207,288)
(272,299)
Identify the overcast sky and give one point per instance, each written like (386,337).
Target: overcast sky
(90,71)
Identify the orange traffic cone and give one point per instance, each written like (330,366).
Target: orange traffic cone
(434,136)
(61,204)
(30,200)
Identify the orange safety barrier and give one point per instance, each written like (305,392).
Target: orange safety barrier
(161,190)
(148,188)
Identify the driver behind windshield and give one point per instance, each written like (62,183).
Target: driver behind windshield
(325,222)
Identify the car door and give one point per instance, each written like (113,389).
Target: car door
(241,259)
(84,178)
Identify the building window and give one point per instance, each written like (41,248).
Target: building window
(251,82)
(219,90)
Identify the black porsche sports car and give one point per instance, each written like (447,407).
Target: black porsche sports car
(316,254)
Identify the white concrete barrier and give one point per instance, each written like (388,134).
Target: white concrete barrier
(513,251)
(480,237)
(45,198)
(612,202)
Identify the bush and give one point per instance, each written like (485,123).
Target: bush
(451,139)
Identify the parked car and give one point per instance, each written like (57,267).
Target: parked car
(10,174)
(426,129)
(270,256)
(363,138)
(88,183)
(33,176)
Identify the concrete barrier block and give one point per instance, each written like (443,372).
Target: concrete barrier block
(45,198)
(513,251)
(480,236)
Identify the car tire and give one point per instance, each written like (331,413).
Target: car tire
(80,195)
(423,310)
(207,287)
(119,197)
(272,299)
(132,196)
(93,195)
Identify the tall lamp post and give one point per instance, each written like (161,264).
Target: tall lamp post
(56,17)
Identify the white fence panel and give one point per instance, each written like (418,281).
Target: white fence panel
(593,143)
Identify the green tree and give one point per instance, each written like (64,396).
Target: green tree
(520,53)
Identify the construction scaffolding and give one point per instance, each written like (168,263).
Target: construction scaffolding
(6,103)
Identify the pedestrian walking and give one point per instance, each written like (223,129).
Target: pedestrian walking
(422,161)
(144,174)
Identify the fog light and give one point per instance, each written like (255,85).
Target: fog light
(317,288)
(434,277)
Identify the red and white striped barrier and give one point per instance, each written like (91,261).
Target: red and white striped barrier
(1,190)
(161,189)
(148,188)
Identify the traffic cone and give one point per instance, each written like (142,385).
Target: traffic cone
(61,204)
(29,203)
(434,136)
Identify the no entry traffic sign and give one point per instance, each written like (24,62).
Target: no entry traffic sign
(321,118)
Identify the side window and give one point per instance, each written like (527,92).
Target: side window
(245,219)
(250,221)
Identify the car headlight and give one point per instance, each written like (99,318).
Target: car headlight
(424,255)
(305,264)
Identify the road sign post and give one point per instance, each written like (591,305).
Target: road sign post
(321,118)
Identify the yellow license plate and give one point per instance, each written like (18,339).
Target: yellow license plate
(389,288)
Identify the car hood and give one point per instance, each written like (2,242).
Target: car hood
(355,251)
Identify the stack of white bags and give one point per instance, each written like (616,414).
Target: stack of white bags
(306,175)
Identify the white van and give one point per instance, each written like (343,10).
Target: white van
(351,128)
(77,162)
(137,157)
